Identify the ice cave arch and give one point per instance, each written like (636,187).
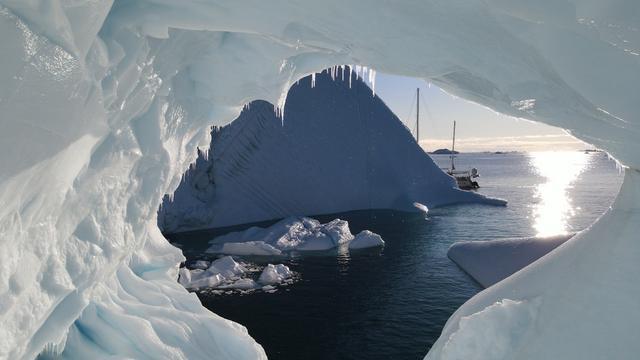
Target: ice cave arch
(104,102)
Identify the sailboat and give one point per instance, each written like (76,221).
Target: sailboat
(464,178)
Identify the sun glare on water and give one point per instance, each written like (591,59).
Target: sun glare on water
(553,206)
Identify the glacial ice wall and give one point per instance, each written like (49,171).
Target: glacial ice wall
(103,104)
(340,149)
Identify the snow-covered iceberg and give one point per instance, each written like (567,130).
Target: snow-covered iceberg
(339,148)
(103,104)
(293,234)
(489,262)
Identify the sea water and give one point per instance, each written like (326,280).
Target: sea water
(392,303)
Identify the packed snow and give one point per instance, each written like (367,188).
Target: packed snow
(293,234)
(104,103)
(489,262)
(228,274)
(339,148)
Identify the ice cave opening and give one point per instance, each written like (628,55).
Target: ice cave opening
(105,102)
(551,204)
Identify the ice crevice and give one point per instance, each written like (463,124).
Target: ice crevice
(123,93)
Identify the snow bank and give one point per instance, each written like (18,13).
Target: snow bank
(366,239)
(104,103)
(491,261)
(339,149)
(292,234)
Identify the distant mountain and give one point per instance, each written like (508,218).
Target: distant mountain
(339,148)
(444,152)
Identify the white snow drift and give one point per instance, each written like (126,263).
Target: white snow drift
(339,149)
(293,234)
(103,104)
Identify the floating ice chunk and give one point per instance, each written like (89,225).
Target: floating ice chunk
(274,274)
(227,267)
(220,273)
(242,284)
(290,234)
(199,279)
(491,261)
(366,239)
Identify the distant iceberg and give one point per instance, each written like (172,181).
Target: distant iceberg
(338,148)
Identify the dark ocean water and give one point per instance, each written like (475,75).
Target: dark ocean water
(392,303)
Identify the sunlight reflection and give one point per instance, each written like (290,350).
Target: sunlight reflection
(553,208)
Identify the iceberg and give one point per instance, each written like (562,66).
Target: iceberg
(339,148)
(274,274)
(104,104)
(293,234)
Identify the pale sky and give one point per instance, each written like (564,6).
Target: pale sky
(478,128)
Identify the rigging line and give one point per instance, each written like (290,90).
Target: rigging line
(425,108)
(407,120)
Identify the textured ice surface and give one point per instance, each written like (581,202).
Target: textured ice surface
(274,274)
(292,234)
(491,261)
(338,149)
(225,273)
(103,104)
(366,239)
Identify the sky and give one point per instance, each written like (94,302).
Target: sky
(477,129)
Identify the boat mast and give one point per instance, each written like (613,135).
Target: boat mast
(418,115)
(453,146)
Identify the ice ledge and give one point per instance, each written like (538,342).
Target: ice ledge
(489,262)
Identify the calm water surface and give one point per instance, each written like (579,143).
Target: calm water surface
(392,303)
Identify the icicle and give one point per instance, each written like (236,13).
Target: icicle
(342,70)
(279,108)
(313,80)
(350,71)
(372,81)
